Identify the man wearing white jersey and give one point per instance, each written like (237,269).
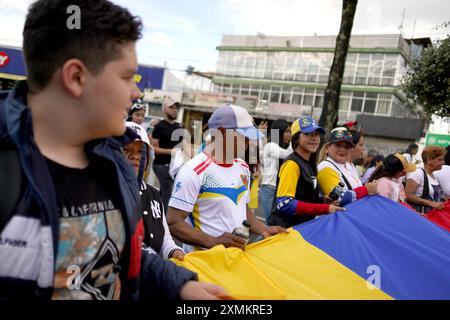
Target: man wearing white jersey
(211,191)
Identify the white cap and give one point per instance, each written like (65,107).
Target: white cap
(141,135)
(168,102)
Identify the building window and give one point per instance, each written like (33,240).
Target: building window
(275,94)
(357,101)
(344,103)
(350,68)
(245,90)
(286,95)
(308,99)
(370,105)
(389,69)
(313,72)
(384,103)
(226,88)
(318,103)
(297,98)
(236,89)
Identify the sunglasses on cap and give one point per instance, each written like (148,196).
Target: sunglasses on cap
(341,134)
(137,106)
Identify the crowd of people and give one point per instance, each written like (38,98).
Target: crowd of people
(90,199)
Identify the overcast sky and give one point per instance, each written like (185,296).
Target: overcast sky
(187,32)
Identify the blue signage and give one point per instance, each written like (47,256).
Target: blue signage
(11,62)
(149,77)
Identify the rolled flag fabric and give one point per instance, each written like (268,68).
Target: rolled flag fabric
(377,249)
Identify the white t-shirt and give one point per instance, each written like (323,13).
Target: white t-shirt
(408,157)
(443,177)
(433,184)
(348,170)
(271,160)
(216,196)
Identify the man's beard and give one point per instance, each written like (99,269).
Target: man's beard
(171,117)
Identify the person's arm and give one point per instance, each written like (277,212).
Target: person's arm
(328,178)
(275,151)
(194,290)
(158,150)
(367,175)
(181,230)
(410,189)
(164,280)
(286,202)
(169,248)
(260,228)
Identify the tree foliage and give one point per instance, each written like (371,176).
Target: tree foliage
(427,83)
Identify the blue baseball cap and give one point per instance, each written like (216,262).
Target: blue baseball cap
(306,125)
(235,117)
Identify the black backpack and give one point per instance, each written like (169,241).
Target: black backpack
(12,182)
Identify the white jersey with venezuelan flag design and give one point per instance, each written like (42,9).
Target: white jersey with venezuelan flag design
(215,195)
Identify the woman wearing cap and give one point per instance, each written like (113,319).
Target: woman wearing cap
(157,235)
(389,175)
(334,168)
(274,153)
(137,113)
(298,198)
(422,189)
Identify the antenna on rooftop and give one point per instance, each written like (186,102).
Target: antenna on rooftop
(400,27)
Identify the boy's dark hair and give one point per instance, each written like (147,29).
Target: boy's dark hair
(48,42)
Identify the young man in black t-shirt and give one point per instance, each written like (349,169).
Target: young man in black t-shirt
(164,140)
(76,231)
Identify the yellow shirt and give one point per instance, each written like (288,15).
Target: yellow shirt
(328,179)
(289,175)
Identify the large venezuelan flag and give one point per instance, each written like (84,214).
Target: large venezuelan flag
(338,256)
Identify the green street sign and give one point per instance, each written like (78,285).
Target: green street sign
(434,139)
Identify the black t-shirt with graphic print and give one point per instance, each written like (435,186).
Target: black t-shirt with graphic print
(91,231)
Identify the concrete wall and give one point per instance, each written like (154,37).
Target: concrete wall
(386,146)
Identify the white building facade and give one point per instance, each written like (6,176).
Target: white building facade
(294,71)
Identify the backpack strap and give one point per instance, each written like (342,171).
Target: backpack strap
(349,186)
(11,182)
(426,187)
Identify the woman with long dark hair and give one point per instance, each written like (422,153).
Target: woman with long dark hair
(275,151)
